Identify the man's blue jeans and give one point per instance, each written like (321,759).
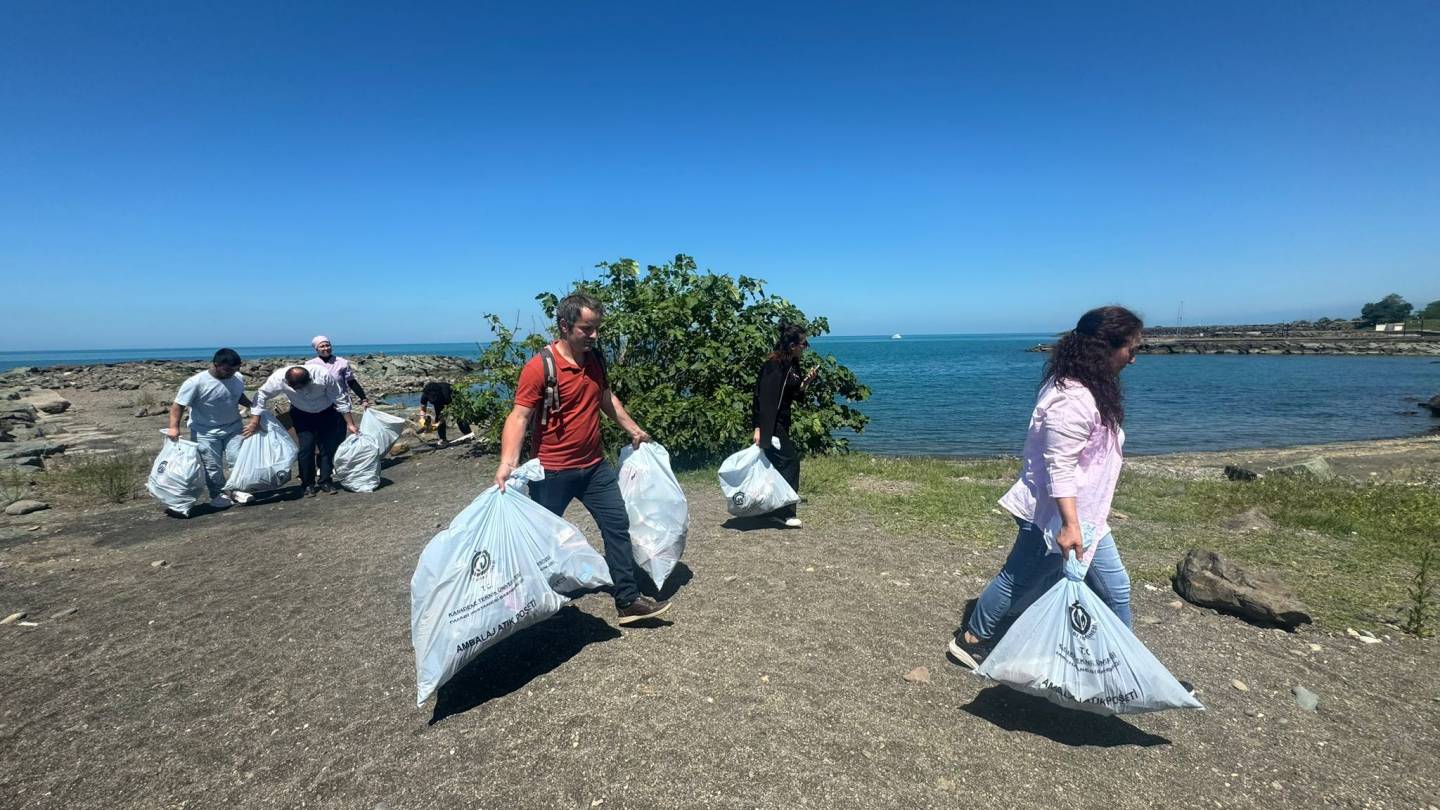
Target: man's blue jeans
(1029,571)
(599,490)
(214,444)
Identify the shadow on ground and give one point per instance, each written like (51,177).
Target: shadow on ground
(1017,711)
(754,524)
(516,661)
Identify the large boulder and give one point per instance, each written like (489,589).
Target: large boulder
(1209,580)
(14,412)
(48,402)
(1316,468)
(25,507)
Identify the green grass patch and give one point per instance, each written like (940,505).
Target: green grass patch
(111,479)
(1349,550)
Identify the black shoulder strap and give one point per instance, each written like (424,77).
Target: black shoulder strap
(549,400)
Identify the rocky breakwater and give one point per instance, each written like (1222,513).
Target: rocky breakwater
(1379,345)
(380,374)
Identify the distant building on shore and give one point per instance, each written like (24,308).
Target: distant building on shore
(1389,327)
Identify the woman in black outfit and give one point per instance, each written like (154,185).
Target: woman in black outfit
(779,385)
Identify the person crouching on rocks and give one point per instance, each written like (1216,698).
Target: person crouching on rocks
(437,396)
(320,413)
(1070,464)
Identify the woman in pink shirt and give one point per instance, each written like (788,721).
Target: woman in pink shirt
(1069,468)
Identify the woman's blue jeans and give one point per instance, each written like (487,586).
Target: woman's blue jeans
(1029,571)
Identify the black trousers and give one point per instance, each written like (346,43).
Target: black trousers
(319,434)
(599,490)
(440,427)
(787,462)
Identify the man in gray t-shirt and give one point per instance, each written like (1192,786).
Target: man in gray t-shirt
(214,398)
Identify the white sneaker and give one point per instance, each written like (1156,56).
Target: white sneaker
(242,498)
(221,502)
(793,523)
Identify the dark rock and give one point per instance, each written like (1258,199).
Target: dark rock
(1209,580)
(1235,473)
(30,449)
(1433,404)
(17,412)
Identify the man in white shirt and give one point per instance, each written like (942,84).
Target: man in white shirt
(214,398)
(320,413)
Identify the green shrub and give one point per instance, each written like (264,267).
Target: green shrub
(683,349)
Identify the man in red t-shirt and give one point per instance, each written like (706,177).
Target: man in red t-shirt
(570,451)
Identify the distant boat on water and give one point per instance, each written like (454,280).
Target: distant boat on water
(895,336)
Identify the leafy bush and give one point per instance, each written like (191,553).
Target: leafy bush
(683,349)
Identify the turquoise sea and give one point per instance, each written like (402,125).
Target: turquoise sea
(972,394)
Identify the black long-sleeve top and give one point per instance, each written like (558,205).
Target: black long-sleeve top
(775,390)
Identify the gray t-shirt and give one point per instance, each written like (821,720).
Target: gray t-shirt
(213,403)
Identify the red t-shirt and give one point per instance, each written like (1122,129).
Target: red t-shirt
(571,440)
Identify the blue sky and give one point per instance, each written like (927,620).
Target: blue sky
(179,174)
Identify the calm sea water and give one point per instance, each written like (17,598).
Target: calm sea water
(972,394)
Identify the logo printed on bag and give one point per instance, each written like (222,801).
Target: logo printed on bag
(479,564)
(738,499)
(161,469)
(1080,621)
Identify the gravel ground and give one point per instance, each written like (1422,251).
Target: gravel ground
(260,657)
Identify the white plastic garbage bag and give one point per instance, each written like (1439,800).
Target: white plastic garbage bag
(357,460)
(659,514)
(177,478)
(1071,649)
(263,459)
(503,564)
(381,428)
(752,485)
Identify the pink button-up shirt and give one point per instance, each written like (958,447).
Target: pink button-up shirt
(1069,452)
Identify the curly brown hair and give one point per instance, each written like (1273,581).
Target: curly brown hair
(1083,356)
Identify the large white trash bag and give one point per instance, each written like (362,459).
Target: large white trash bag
(177,478)
(503,564)
(381,428)
(357,460)
(659,515)
(752,485)
(264,458)
(1071,649)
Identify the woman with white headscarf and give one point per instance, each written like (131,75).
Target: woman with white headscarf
(338,367)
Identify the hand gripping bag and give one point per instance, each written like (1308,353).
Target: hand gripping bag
(357,460)
(264,458)
(503,564)
(659,514)
(177,478)
(752,486)
(1071,649)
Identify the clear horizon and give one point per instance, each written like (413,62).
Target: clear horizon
(181,172)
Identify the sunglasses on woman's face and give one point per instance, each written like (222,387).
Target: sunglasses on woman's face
(804,344)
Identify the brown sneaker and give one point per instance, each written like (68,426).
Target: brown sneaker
(641,609)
